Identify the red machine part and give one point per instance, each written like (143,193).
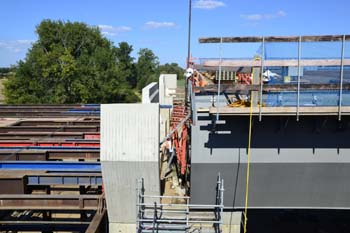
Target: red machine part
(180,144)
(183,157)
(244,78)
(180,141)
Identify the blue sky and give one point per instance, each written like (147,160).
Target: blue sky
(161,25)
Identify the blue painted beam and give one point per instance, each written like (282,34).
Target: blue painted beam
(51,166)
(165,106)
(64,179)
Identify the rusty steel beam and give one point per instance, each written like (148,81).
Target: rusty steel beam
(49,202)
(47,134)
(24,155)
(45,114)
(39,128)
(85,155)
(50,144)
(57,123)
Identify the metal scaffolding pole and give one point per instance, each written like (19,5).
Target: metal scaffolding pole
(219,81)
(299,72)
(341,79)
(261,79)
(154,216)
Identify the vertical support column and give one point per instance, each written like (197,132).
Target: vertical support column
(341,78)
(255,81)
(219,82)
(129,151)
(221,204)
(299,72)
(261,78)
(47,216)
(82,191)
(48,189)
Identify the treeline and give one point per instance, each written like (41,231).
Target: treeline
(72,62)
(6,72)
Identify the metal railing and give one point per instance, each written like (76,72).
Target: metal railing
(153,215)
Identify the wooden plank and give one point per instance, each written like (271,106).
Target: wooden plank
(256,39)
(289,62)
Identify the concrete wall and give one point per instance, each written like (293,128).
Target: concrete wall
(301,164)
(167,86)
(150,93)
(129,151)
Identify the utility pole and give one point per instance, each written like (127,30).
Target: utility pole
(188,48)
(189,32)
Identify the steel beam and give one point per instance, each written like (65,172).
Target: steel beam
(98,223)
(42,155)
(56,123)
(26,145)
(253,39)
(272,63)
(43,227)
(51,166)
(282,111)
(42,223)
(65,179)
(49,202)
(40,128)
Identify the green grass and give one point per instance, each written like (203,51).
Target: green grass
(181,83)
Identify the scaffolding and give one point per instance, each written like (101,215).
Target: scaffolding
(154,214)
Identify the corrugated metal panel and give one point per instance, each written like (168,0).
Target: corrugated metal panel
(129,132)
(120,187)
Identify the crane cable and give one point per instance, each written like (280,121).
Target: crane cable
(248,160)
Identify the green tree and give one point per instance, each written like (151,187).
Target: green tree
(126,64)
(172,68)
(69,63)
(146,66)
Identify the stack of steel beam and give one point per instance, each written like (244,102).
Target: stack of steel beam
(50,174)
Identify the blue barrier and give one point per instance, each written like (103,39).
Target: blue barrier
(307,98)
(91,105)
(51,166)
